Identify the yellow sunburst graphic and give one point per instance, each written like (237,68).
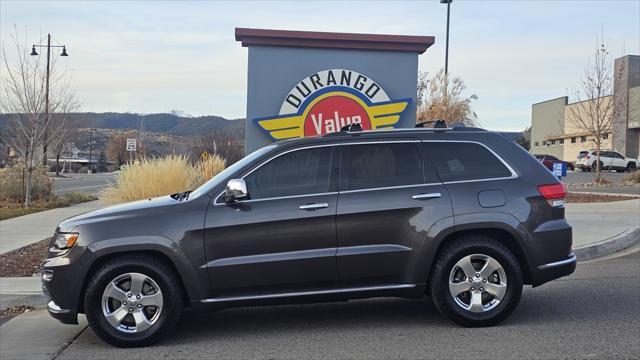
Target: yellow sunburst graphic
(381,115)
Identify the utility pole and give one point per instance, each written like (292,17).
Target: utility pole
(446,54)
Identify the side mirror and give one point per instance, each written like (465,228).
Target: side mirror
(236,189)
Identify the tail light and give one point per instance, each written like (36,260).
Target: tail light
(553,193)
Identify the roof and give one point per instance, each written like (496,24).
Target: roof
(334,40)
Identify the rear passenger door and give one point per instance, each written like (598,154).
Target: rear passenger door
(475,177)
(387,202)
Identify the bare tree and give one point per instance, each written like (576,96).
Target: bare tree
(117,148)
(593,112)
(220,143)
(23,87)
(62,144)
(441,99)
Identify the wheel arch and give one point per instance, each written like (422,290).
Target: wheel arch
(107,250)
(501,232)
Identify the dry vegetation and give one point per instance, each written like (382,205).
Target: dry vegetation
(152,177)
(632,178)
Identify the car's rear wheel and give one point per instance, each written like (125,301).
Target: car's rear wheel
(133,300)
(476,281)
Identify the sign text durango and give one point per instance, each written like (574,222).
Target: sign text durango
(328,100)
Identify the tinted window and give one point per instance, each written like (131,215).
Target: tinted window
(380,165)
(583,154)
(457,161)
(552,158)
(296,173)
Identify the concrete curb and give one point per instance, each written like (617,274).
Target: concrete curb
(601,193)
(608,246)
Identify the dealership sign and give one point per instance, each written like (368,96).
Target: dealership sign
(328,100)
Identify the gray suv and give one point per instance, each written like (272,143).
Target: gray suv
(463,215)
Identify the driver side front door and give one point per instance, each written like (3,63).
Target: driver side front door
(283,237)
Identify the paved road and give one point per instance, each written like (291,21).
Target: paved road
(579,177)
(85,183)
(592,314)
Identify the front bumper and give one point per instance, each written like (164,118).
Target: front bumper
(62,279)
(65,316)
(551,271)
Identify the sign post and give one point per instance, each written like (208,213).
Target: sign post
(559,169)
(131,147)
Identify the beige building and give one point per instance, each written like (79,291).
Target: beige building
(553,130)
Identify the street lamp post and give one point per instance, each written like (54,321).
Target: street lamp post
(446,54)
(92,130)
(46,96)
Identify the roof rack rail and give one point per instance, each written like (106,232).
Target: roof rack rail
(437,124)
(352,127)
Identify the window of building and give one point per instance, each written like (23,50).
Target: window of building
(553,142)
(573,140)
(583,139)
(465,161)
(561,141)
(536,144)
(605,136)
(296,173)
(544,143)
(380,165)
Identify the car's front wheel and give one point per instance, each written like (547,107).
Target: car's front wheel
(476,281)
(133,300)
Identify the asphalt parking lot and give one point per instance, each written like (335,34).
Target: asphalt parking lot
(90,184)
(591,314)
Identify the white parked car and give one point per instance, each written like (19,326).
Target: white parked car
(609,160)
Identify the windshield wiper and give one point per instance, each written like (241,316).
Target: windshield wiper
(181,196)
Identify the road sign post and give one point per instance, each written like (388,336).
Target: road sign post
(131,147)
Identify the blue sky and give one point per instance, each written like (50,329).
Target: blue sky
(153,56)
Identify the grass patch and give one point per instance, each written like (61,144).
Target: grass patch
(157,176)
(10,210)
(8,213)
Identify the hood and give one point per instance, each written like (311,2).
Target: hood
(117,211)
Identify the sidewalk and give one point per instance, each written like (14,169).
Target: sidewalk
(36,335)
(28,229)
(595,222)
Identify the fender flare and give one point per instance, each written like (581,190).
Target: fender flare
(196,283)
(442,232)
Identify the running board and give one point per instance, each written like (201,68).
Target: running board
(307,293)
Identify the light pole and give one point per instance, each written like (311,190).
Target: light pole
(46,98)
(446,54)
(92,130)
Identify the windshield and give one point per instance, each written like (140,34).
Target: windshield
(222,176)
(582,154)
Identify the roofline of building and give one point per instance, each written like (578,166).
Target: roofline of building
(560,97)
(581,101)
(315,39)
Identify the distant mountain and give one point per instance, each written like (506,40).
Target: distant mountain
(161,123)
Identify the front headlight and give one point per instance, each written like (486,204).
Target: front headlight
(65,240)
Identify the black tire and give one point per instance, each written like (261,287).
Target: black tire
(631,167)
(447,259)
(155,268)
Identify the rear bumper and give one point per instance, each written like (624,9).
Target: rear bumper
(551,271)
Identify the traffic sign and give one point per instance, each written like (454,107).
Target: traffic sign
(131,144)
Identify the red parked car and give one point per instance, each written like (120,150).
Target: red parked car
(548,160)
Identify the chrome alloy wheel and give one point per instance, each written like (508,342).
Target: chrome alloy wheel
(132,302)
(477,283)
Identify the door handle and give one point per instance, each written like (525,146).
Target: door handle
(315,206)
(426,196)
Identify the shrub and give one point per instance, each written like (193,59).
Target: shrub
(12,188)
(632,178)
(152,177)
